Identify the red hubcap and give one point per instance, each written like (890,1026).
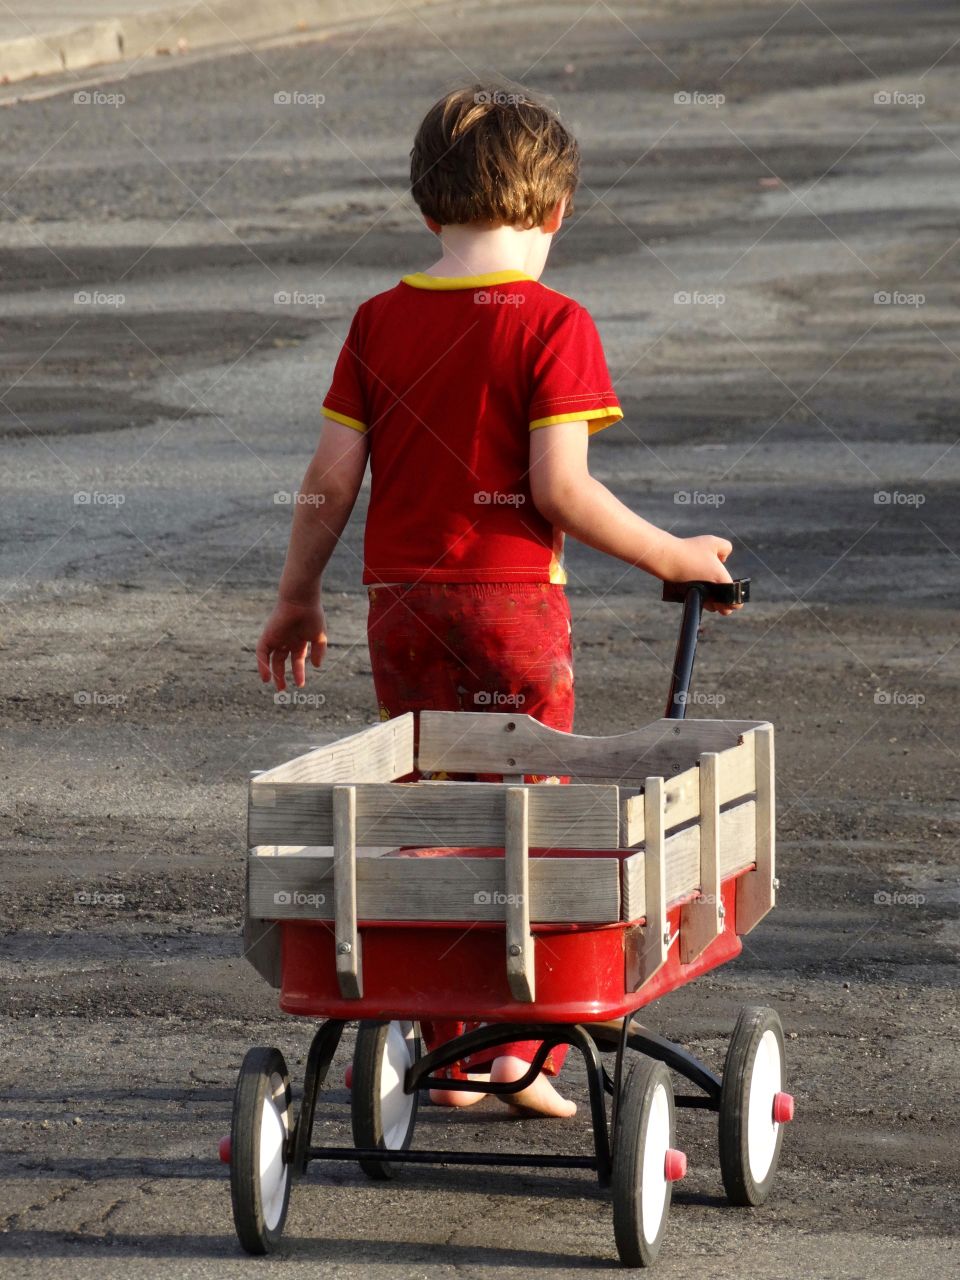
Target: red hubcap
(674,1165)
(783,1108)
(224,1150)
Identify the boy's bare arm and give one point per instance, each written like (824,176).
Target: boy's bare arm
(566,494)
(322,509)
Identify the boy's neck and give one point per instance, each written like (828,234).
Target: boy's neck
(477,251)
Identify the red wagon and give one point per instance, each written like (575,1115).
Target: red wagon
(601,896)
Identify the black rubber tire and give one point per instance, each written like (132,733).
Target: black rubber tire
(633,1115)
(740,1185)
(262,1071)
(365,1109)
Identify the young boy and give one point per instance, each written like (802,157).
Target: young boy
(473,389)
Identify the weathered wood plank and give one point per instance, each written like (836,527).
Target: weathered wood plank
(682,859)
(300,887)
(702,919)
(488,742)
(756,892)
(736,771)
(435,813)
(378,754)
(519,939)
(681,803)
(346,934)
(737,778)
(656,937)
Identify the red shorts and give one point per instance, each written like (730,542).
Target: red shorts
(486,646)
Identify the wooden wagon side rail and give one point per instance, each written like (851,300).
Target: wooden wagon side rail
(313,837)
(463,889)
(722,839)
(381,753)
(683,797)
(378,754)
(434,813)
(490,742)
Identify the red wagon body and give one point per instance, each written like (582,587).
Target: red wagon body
(431,971)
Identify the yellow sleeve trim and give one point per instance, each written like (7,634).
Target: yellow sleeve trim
(598,418)
(342,418)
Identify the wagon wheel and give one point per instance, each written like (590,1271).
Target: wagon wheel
(753,1106)
(260,1170)
(383,1115)
(645,1163)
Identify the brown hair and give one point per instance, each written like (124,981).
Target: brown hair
(485,155)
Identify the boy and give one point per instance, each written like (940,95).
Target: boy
(473,389)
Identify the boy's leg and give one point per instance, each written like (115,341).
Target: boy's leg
(515,642)
(525,665)
(494,647)
(414,666)
(415,669)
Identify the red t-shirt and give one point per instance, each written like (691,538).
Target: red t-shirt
(448,376)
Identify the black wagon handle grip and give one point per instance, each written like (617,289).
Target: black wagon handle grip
(736,592)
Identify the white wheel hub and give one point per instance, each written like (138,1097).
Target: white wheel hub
(766,1081)
(653,1183)
(396,1107)
(274,1171)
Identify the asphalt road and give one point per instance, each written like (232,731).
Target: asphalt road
(803,400)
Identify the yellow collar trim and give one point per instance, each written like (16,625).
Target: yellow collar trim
(421,280)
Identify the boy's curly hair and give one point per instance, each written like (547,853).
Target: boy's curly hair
(482,154)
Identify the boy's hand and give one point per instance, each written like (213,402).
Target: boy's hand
(290,630)
(704,562)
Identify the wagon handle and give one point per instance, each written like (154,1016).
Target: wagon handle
(692,596)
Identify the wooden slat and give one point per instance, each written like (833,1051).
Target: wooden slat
(756,892)
(261,938)
(736,771)
(702,919)
(656,937)
(300,887)
(378,754)
(681,798)
(489,742)
(681,802)
(346,934)
(519,939)
(737,778)
(682,857)
(435,813)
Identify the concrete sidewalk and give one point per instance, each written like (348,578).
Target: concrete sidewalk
(42,37)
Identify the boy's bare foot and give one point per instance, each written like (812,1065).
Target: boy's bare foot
(540,1096)
(458,1097)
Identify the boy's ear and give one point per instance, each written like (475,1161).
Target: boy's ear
(432,225)
(554,218)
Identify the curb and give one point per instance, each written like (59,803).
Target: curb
(170,31)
